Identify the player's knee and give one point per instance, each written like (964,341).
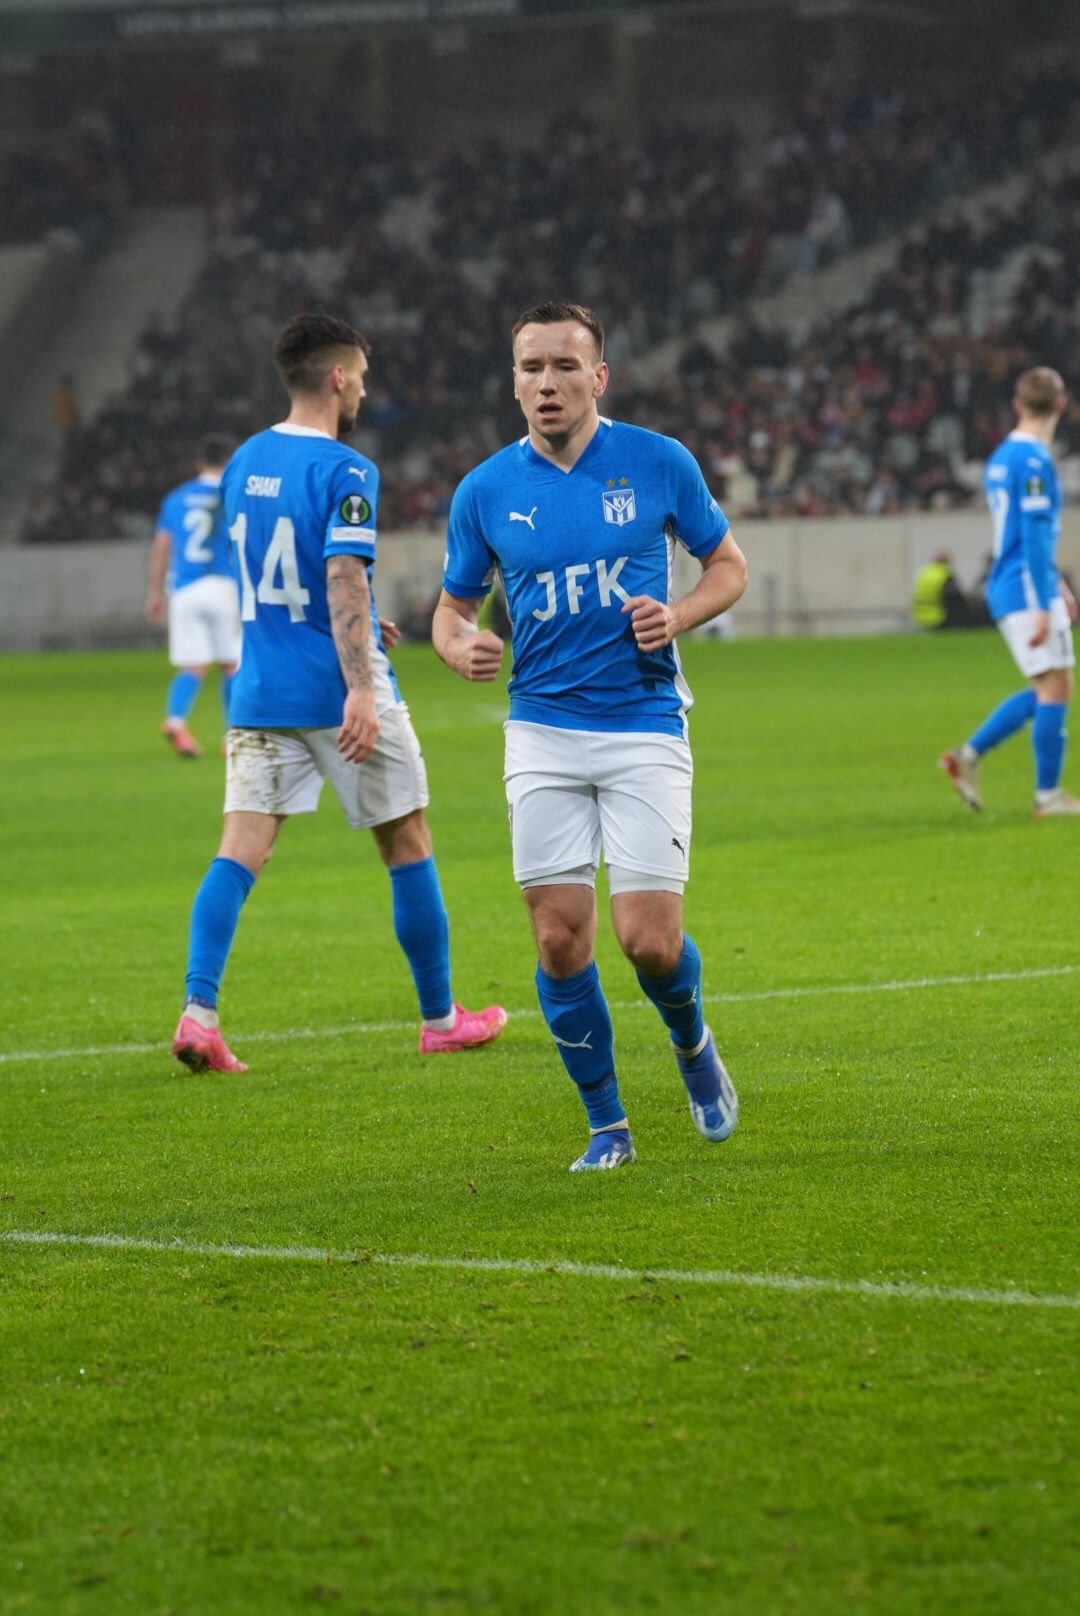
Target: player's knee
(404,841)
(1055,685)
(252,858)
(563,949)
(650,948)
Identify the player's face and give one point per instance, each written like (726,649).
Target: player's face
(558,377)
(350,389)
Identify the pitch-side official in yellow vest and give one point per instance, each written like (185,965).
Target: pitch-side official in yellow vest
(936,593)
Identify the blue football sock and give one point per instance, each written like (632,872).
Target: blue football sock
(576,1011)
(225,690)
(1048,737)
(183,688)
(677,996)
(214,915)
(422,928)
(1009,716)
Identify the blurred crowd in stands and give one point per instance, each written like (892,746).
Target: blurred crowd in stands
(879,410)
(75,183)
(894,404)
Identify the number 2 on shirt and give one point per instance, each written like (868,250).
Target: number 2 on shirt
(198,525)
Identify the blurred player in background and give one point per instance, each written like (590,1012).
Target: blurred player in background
(192,566)
(579,517)
(1028,599)
(315,698)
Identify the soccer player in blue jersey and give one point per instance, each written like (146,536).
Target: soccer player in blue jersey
(192,567)
(579,518)
(315,697)
(1028,599)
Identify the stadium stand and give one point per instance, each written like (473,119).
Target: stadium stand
(877,410)
(74,182)
(894,403)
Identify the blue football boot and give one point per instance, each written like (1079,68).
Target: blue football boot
(613,1147)
(714,1105)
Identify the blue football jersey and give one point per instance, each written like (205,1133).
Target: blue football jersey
(294,497)
(193,517)
(572,547)
(1024,495)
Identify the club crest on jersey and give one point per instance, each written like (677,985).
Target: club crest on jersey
(619,506)
(354,509)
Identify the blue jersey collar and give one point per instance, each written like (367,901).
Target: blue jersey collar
(592,448)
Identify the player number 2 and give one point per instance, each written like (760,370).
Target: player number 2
(280,557)
(198,525)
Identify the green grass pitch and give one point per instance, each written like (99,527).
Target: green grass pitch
(643,1404)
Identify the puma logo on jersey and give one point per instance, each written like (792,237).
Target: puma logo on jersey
(357,471)
(516,516)
(584,1044)
(676,843)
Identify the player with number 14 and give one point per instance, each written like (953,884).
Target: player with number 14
(315,697)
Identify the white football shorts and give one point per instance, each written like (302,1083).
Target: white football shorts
(1056,651)
(204,622)
(281,771)
(576,794)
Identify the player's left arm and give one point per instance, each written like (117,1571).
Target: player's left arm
(723,578)
(1038,536)
(348,597)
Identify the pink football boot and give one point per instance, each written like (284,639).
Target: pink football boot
(471,1027)
(203,1048)
(180,738)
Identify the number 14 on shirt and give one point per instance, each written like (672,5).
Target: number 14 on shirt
(280,558)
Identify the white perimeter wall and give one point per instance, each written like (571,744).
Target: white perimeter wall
(806,577)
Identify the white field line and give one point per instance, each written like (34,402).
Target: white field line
(720,1277)
(361,1028)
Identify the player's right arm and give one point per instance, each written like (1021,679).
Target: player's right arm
(348,596)
(1038,536)
(160,551)
(474,652)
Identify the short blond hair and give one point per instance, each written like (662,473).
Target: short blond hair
(1039,391)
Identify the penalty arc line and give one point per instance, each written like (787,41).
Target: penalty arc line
(719,1278)
(361,1028)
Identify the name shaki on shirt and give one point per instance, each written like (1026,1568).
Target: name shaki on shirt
(267,487)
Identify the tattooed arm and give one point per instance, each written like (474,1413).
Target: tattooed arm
(349,600)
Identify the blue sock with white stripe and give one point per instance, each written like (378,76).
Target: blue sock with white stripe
(226,692)
(183,688)
(1048,738)
(214,917)
(577,1015)
(1009,716)
(677,996)
(422,928)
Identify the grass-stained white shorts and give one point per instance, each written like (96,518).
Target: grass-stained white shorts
(576,794)
(204,622)
(1056,651)
(281,771)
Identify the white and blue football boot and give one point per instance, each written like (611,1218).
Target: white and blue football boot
(714,1105)
(611,1147)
